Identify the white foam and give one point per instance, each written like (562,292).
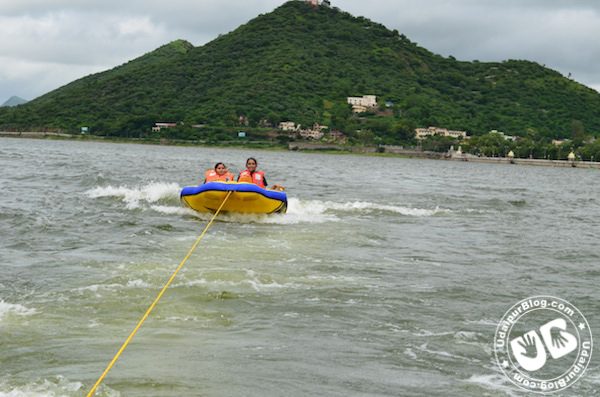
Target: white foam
(484,321)
(315,207)
(255,284)
(137,284)
(467,336)
(170,210)
(369,207)
(20,310)
(291,314)
(46,388)
(95,288)
(410,353)
(151,193)
(427,333)
(446,354)
(184,319)
(316,211)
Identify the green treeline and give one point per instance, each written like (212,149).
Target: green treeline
(300,64)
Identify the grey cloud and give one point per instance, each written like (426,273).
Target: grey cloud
(557,33)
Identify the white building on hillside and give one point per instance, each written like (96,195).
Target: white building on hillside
(363,103)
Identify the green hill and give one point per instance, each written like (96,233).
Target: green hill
(299,63)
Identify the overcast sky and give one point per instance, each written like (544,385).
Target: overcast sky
(45,44)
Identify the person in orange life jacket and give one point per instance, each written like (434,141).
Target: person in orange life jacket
(218,174)
(251,175)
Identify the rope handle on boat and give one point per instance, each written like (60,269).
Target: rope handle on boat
(160,294)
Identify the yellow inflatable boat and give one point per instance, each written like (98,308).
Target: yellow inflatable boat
(247,198)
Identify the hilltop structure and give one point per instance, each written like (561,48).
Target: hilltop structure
(316,3)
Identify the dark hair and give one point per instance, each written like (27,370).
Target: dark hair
(251,158)
(218,164)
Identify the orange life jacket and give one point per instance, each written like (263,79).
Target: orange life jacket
(212,176)
(256,177)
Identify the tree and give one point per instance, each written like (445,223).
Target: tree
(491,144)
(577,133)
(438,143)
(403,130)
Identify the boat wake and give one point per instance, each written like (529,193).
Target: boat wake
(56,386)
(14,308)
(164,198)
(367,207)
(154,192)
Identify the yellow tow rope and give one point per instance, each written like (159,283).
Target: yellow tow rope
(160,294)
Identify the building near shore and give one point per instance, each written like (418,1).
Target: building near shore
(316,132)
(288,126)
(511,138)
(159,126)
(422,133)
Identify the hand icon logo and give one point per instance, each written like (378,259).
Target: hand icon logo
(558,341)
(529,345)
(529,348)
(529,351)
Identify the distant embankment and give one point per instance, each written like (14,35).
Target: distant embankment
(364,149)
(330,147)
(32,134)
(453,156)
(538,162)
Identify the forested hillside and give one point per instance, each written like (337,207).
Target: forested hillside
(300,63)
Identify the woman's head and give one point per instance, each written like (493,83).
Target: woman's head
(220,168)
(251,164)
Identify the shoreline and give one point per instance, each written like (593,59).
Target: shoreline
(309,147)
(530,162)
(143,141)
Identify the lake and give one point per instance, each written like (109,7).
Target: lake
(387,276)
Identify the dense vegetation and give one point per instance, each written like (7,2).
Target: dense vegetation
(299,63)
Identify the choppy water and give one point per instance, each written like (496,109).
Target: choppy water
(387,277)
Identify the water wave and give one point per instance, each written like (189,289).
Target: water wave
(20,310)
(316,211)
(164,198)
(172,210)
(98,289)
(253,284)
(368,207)
(56,387)
(442,353)
(154,192)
